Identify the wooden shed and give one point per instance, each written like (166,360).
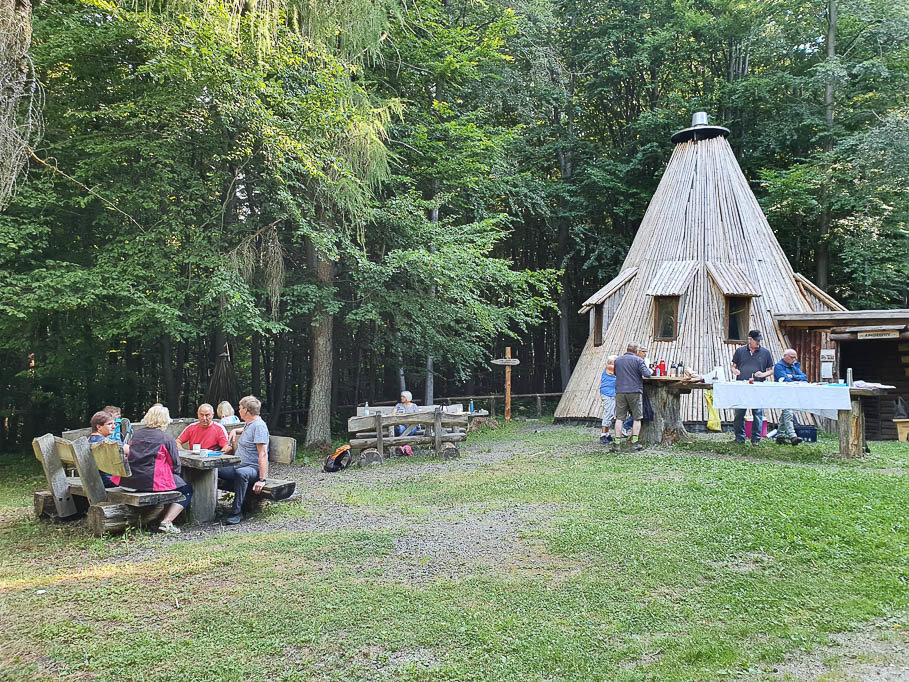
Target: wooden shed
(873,343)
(704,269)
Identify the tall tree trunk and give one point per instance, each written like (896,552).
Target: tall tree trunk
(318,426)
(255,369)
(171,387)
(822,259)
(429,397)
(402,380)
(279,382)
(566,172)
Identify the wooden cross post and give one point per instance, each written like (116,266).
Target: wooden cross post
(508,361)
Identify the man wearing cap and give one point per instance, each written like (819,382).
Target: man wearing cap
(751,362)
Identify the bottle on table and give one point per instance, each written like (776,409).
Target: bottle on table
(471,407)
(366,409)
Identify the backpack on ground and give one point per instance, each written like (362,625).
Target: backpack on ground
(339,460)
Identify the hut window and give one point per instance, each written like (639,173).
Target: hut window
(598,325)
(665,318)
(737,313)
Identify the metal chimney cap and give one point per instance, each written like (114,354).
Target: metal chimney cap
(699,130)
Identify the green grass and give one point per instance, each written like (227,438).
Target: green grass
(704,561)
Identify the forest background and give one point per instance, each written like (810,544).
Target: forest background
(366,194)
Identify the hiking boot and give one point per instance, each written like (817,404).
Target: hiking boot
(233,519)
(795,440)
(781,441)
(637,447)
(168,528)
(739,441)
(614,447)
(604,439)
(755,441)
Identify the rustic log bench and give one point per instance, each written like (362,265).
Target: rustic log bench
(283,450)
(442,430)
(107,510)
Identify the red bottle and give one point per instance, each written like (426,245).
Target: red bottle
(662,368)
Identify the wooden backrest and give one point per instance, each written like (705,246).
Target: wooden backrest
(385,409)
(282,449)
(46,451)
(77,433)
(110,458)
(65,451)
(80,454)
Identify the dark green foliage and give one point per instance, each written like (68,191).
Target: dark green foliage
(462,165)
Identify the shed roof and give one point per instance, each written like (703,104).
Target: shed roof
(731,279)
(613,286)
(672,278)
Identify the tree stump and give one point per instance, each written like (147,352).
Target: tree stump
(369,456)
(666,427)
(851,427)
(450,451)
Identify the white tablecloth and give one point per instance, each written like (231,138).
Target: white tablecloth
(820,400)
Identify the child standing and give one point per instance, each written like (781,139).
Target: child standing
(607,395)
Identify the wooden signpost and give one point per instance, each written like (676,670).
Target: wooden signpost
(508,362)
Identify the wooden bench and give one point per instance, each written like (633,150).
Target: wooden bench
(107,509)
(282,450)
(443,430)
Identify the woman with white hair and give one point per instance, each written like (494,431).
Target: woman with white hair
(155,465)
(404,407)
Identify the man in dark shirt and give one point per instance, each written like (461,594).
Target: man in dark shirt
(630,369)
(751,362)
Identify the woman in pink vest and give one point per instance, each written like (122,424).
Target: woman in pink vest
(155,465)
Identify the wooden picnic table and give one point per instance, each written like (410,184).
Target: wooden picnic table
(201,472)
(664,393)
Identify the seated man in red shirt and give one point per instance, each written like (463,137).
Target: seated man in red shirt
(205,432)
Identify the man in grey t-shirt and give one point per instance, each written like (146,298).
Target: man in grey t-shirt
(252,447)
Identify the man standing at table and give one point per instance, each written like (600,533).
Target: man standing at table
(204,433)
(630,369)
(788,370)
(252,447)
(751,362)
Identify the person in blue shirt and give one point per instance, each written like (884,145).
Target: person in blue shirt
(607,395)
(788,370)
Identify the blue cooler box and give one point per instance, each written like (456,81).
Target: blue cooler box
(807,433)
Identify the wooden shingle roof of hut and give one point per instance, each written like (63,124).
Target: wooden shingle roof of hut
(704,245)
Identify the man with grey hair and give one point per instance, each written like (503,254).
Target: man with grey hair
(251,444)
(630,370)
(788,370)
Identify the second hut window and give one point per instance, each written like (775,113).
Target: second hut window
(737,317)
(666,317)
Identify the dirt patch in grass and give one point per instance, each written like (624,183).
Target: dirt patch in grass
(877,653)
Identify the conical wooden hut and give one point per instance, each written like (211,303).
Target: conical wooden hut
(704,269)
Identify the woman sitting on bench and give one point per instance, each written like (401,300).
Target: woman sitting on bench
(155,464)
(103,425)
(405,407)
